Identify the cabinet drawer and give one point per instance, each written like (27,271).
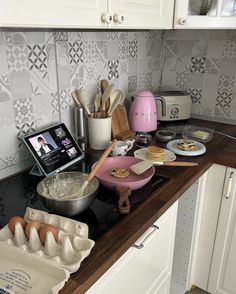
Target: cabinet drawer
(143,270)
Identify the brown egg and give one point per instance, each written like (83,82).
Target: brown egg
(44,230)
(30,224)
(14,220)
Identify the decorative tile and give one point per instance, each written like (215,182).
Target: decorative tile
(15,38)
(196,95)
(23,110)
(141,82)
(62,49)
(6,114)
(39,80)
(185,48)
(215,49)
(61,36)
(223,100)
(94,51)
(113,36)
(65,99)
(94,72)
(148,80)
(7,161)
(132,84)
(37,56)
(77,75)
(76,36)
(113,69)
(112,50)
(198,64)
(229,49)
(55,103)
(227,66)
(24,129)
(64,76)
(124,67)
(3,56)
(133,49)
(20,85)
(226,84)
(17,58)
(38,37)
(212,66)
(171,48)
(199,47)
(153,63)
(5,91)
(196,80)
(182,80)
(76,52)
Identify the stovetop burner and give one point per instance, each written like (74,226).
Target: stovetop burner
(19,192)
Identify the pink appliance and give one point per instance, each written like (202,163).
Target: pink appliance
(143,112)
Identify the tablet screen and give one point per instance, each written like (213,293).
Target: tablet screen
(54,148)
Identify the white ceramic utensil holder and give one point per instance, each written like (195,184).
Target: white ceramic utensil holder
(99,132)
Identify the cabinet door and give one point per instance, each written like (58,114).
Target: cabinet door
(141,14)
(205,14)
(222,274)
(145,270)
(53,13)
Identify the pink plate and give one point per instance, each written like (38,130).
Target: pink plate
(133,181)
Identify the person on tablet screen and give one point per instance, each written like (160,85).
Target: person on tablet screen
(45,148)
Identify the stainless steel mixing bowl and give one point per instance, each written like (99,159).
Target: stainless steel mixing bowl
(67,207)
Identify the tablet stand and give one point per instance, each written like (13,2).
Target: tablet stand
(36,171)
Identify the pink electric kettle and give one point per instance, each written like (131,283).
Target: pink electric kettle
(143,112)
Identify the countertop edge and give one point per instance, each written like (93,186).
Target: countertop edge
(111,246)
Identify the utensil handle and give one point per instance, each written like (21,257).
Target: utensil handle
(179,163)
(100,161)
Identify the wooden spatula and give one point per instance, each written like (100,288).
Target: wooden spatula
(142,166)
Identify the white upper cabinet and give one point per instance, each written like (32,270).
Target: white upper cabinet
(95,14)
(205,14)
(141,14)
(53,13)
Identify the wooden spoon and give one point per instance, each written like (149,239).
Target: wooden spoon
(106,95)
(97,102)
(90,176)
(118,97)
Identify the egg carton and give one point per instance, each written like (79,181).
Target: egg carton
(70,249)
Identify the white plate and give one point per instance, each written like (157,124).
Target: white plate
(172,145)
(142,154)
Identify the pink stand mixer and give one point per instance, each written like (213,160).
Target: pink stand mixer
(143,116)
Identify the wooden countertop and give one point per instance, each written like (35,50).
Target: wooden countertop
(221,150)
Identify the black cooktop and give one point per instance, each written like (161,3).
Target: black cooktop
(19,192)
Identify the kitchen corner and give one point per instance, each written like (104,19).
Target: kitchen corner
(131,77)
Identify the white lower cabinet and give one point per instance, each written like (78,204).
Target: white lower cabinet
(222,279)
(146,267)
(215,251)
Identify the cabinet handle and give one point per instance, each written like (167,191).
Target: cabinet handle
(118,18)
(182,21)
(142,243)
(106,18)
(229,185)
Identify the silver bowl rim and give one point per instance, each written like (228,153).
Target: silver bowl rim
(69,200)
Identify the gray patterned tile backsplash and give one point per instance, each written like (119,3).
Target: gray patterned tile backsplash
(204,64)
(40,69)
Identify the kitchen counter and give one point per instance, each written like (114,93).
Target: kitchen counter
(108,248)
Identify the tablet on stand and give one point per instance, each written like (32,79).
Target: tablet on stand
(54,150)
